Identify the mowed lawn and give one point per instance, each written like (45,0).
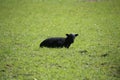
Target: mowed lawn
(95,54)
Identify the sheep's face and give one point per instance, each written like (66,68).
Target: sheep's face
(70,37)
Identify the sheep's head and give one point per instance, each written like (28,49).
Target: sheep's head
(70,38)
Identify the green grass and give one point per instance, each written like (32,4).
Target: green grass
(24,24)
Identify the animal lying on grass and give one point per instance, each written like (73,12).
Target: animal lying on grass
(59,42)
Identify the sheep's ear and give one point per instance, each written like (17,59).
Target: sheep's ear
(67,34)
(76,34)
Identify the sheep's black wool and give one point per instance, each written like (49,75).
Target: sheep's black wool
(59,42)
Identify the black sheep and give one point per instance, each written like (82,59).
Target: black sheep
(59,42)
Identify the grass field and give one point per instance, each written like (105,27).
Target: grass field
(95,54)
